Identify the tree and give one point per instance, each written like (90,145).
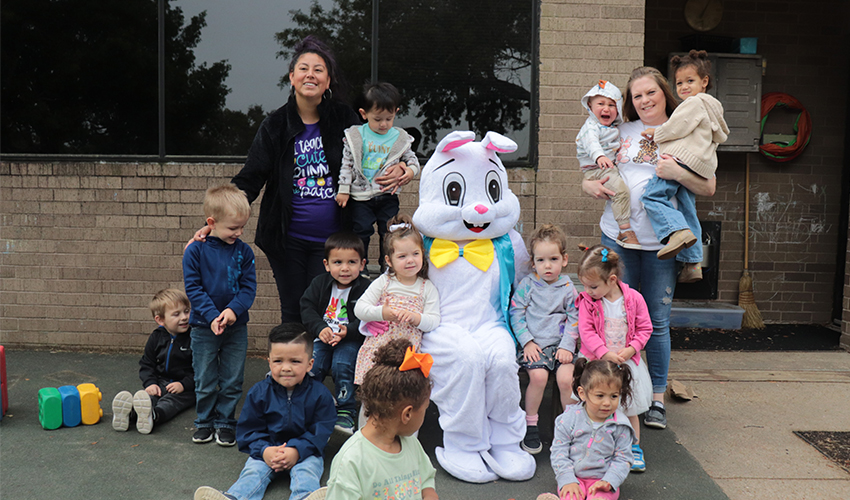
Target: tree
(454,62)
(81,77)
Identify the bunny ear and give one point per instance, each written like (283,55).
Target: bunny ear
(455,139)
(498,142)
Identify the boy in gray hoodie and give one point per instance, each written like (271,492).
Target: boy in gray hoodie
(596,148)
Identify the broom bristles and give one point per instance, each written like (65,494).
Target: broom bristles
(746,301)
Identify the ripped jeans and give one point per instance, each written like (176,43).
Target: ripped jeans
(656,281)
(340,361)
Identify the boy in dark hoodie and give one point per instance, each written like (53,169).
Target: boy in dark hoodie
(285,422)
(165,368)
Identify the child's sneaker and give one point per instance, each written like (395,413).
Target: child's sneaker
(532,443)
(225,437)
(122,406)
(319,494)
(207,493)
(628,239)
(344,422)
(144,412)
(203,435)
(639,465)
(656,417)
(691,273)
(679,240)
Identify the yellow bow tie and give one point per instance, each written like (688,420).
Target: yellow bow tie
(479,253)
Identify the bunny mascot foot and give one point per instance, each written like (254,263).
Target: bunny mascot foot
(466,214)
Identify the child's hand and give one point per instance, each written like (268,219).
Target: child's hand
(326,335)
(389,314)
(342,199)
(153,390)
(174,387)
(627,352)
(648,134)
(225,319)
(272,456)
(563,356)
(338,336)
(604,162)
(668,169)
(289,457)
(407,176)
(598,486)
(610,356)
(531,352)
(408,317)
(571,491)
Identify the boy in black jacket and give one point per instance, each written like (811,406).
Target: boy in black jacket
(327,311)
(165,368)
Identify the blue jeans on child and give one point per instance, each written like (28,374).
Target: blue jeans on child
(256,475)
(665,219)
(218,360)
(656,280)
(340,361)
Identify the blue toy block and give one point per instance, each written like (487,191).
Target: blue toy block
(71,413)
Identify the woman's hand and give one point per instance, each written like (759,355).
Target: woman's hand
(200,235)
(667,168)
(596,189)
(394,177)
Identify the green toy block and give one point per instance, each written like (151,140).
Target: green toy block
(50,408)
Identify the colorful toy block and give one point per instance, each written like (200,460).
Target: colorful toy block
(50,408)
(71,413)
(90,409)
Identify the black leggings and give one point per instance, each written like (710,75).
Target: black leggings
(294,273)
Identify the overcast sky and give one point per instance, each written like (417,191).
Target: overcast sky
(242,31)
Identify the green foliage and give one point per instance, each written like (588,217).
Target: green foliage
(459,61)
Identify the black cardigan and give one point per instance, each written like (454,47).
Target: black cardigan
(270,164)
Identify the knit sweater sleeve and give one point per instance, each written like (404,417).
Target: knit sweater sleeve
(346,171)
(410,159)
(519,305)
(569,334)
(592,340)
(621,462)
(643,324)
(562,462)
(684,120)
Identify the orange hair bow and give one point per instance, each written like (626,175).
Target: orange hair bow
(414,360)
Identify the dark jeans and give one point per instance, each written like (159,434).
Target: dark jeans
(169,405)
(340,362)
(294,273)
(379,209)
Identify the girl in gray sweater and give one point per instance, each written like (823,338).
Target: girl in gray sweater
(592,448)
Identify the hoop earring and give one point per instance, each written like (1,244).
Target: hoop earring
(329,94)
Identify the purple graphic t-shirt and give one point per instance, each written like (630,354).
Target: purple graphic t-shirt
(315,214)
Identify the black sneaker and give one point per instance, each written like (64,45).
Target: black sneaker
(225,437)
(532,443)
(655,417)
(203,435)
(344,422)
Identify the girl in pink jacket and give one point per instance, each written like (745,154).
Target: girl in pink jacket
(614,325)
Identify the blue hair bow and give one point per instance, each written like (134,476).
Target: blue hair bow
(604,255)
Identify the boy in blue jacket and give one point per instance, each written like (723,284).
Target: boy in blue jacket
(285,423)
(221,283)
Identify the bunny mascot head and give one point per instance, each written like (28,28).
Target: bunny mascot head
(467,213)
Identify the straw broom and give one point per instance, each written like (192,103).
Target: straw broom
(746,300)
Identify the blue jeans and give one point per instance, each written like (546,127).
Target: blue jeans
(218,361)
(666,219)
(656,281)
(256,475)
(340,361)
(379,209)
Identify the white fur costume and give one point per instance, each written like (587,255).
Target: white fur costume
(464,196)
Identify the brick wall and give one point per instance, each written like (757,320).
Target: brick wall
(794,206)
(580,42)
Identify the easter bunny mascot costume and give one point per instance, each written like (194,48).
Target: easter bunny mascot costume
(466,214)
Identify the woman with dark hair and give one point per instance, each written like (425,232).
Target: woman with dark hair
(649,102)
(296,155)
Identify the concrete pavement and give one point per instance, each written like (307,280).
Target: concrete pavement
(734,442)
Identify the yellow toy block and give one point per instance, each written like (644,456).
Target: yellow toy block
(90,409)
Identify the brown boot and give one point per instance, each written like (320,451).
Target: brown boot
(628,239)
(691,273)
(679,240)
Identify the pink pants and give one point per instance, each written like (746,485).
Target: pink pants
(585,483)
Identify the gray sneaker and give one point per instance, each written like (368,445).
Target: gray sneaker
(122,406)
(207,493)
(656,417)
